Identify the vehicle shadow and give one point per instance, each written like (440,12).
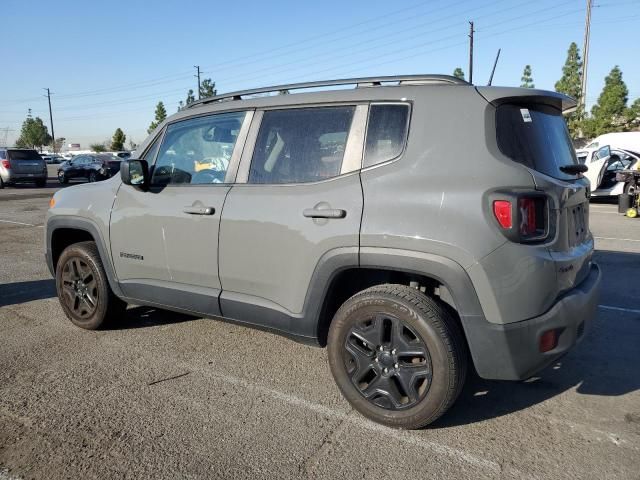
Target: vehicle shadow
(603,364)
(21,292)
(145,317)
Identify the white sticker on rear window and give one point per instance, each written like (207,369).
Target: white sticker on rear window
(526,116)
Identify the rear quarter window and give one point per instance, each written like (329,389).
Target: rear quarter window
(386,132)
(535,136)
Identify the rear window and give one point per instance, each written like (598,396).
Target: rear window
(535,136)
(24,155)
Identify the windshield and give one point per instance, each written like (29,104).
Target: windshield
(24,155)
(537,137)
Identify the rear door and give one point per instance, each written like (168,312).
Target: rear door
(165,240)
(26,162)
(297,200)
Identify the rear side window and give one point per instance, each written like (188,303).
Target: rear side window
(386,133)
(24,155)
(301,145)
(535,136)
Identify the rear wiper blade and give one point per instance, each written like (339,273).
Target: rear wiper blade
(574,168)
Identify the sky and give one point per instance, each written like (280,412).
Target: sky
(108,63)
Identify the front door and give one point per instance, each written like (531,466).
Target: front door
(298,199)
(165,240)
(597,166)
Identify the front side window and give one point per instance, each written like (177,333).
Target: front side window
(301,145)
(150,154)
(386,133)
(197,151)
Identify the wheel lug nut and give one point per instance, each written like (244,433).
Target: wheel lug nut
(375,359)
(393,352)
(381,348)
(395,365)
(386,370)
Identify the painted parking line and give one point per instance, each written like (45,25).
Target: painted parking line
(619,309)
(18,223)
(620,239)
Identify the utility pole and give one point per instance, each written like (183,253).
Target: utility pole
(585,52)
(197,67)
(493,70)
(471,31)
(53,135)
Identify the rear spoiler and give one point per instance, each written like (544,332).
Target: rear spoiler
(499,95)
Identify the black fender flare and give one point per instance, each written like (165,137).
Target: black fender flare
(89,226)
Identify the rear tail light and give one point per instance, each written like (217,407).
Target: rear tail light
(502,211)
(5,163)
(522,218)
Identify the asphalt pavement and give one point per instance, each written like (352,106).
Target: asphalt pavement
(169,396)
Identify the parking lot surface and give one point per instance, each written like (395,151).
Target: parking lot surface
(164,395)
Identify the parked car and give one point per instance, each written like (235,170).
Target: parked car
(356,219)
(19,165)
(122,155)
(603,164)
(52,159)
(624,140)
(91,167)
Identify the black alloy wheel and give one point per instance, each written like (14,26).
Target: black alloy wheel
(388,362)
(79,288)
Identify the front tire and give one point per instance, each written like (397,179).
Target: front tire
(83,288)
(398,356)
(93,177)
(62,178)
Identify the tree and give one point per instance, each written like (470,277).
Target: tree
(458,73)
(207,88)
(610,114)
(59,143)
(527,79)
(161,114)
(34,134)
(117,142)
(98,147)
(571,84)
(190,99)
(633,115)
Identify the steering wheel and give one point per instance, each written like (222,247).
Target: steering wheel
(208,176)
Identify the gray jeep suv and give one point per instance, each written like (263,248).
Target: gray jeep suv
(414,225)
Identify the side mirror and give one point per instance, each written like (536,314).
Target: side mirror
(135,173)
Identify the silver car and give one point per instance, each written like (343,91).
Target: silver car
(19,165)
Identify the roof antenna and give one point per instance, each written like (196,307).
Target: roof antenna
(494,68)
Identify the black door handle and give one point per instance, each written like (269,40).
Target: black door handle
(199,210)
(324,213)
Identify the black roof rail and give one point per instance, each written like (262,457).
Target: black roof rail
(360,82)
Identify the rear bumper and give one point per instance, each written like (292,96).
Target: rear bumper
(12,177)
(511,351)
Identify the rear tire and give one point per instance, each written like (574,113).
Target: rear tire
(83,289)
(410,372)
